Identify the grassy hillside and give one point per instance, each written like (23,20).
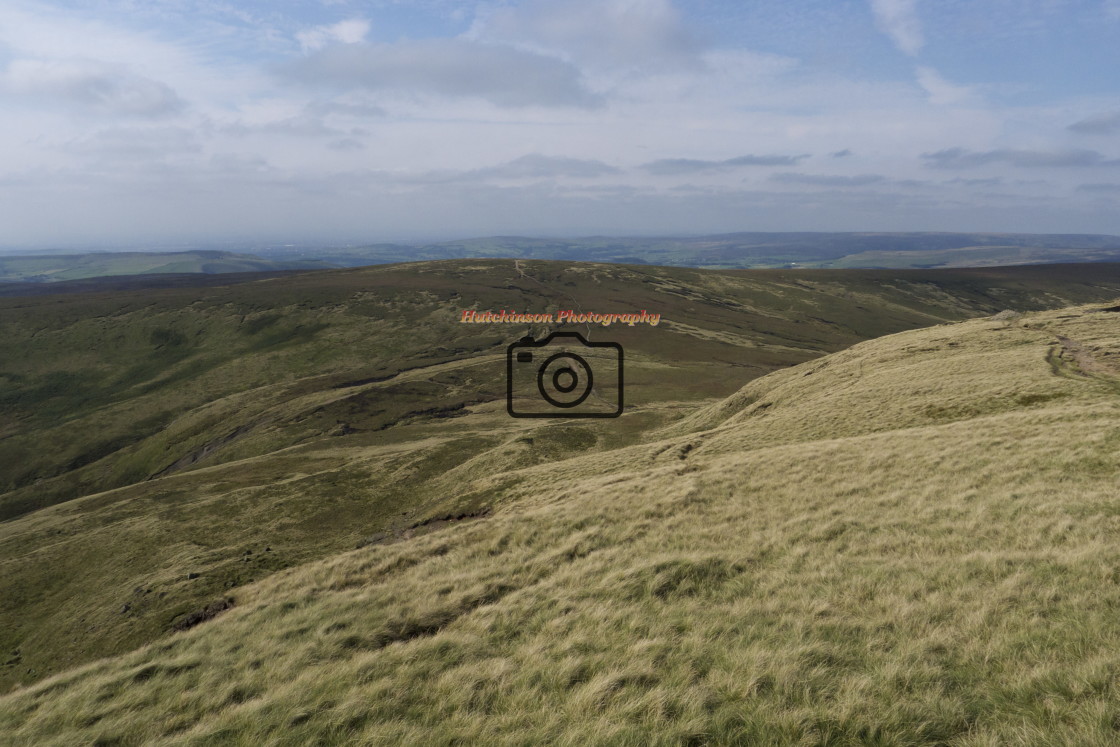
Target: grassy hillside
(44,268)
(193,440)
(184,442)
(912,541)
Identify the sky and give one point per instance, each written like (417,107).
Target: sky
(163,123)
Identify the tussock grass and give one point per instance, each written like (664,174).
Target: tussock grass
(856,570)
(160,449)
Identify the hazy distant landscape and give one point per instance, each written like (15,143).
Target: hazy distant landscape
(731,251)
(753,250)
(40,268)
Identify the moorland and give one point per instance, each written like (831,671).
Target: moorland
(842,506)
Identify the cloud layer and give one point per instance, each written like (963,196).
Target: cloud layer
(898,19)
(131,123)
(683,166)
(646,34)
(1107,123)
(502,75)
(960,158)
(89,86)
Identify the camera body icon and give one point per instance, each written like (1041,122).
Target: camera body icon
(563,376)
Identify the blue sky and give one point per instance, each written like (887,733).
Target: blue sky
(166,122)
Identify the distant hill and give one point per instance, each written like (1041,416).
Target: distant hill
(48,268)
(752,250)
(150,281)
(723,251)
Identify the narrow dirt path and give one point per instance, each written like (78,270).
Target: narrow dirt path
(1084,359)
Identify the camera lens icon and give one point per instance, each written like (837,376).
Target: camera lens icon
(564,376)
(569,376)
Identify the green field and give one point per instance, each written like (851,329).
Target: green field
(295,511)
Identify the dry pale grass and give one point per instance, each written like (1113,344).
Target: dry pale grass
(914,542)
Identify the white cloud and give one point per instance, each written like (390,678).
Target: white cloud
(537,166)
(646,34)
(45,34)
(301,125)
(960,158)
(351,31)
(682,166)
(502,75)
(828,180)
(346,144)
(185,58)
(898,19)
(942,92)
(137,143)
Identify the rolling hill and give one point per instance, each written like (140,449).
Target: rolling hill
(74,272)
(749,250)
(53,268)
(908,540)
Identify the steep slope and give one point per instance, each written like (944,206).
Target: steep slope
(913,541)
